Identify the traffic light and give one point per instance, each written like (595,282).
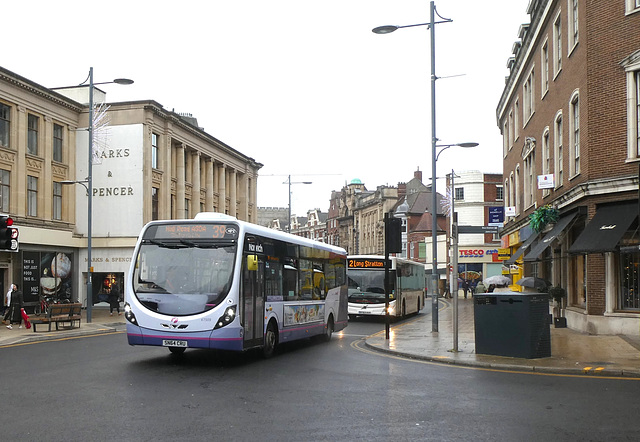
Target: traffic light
(393,235)
(8,234)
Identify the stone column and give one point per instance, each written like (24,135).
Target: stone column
(222,188)
(610,283)
(164,162)
(208,170)
(233,192)
(180,175)
(195,181)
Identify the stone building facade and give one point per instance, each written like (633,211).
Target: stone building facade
(156,164)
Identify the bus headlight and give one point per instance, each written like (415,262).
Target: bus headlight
(128,314)
(227,318)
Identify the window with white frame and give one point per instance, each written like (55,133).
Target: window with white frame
(632,67)
(32,195)
(632,6)
(506,193)
(572,33)
(528,98)
(546,152)
(544,69)
(512,189)
(505,139)
(636,110)
(499,193)
(510,129)
(516,126)
(546,157)
(557,45)
(574,134)
(516,191)
(529,178)
(558,153)
(5,124)
(459,193)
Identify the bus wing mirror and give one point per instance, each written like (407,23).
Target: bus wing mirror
(252,263)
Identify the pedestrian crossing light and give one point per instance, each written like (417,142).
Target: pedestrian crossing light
(8,234)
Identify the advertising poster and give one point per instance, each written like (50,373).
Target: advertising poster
(55,276)
(303,314)
(30,276)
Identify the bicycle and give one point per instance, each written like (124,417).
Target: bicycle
(41,307)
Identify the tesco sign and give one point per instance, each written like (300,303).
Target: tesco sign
(476,253)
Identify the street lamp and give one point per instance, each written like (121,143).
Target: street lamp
(290,183)
(88,183)
(431,25)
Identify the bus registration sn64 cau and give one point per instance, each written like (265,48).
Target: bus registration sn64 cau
(220,283)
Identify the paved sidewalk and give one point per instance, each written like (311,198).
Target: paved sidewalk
(101,322)
(571,352)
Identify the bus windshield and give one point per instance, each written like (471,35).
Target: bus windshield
(367,286)
(183,277)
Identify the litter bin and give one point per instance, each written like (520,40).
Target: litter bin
(512,324)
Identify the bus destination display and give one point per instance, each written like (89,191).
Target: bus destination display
(192,231)
(365,263)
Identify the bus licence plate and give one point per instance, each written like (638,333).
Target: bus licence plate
(364,312)
(173,343)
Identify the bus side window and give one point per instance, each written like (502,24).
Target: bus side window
(290,282)
(306,279)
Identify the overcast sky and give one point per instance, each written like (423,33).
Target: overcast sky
(302,86)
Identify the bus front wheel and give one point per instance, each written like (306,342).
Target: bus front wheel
(329,331)
(270,340)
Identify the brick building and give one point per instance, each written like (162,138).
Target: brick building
(570,117)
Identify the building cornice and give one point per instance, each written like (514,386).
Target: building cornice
(38,90)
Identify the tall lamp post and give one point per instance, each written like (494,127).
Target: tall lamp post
(431,25)
(88,183)
(290,183)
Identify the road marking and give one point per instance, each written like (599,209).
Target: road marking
(68,338)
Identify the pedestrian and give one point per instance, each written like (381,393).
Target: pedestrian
(15,310)
(465,287)
(114,299)
(6,300)
(480,287)
(7,305)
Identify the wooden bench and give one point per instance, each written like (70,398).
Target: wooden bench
(60,313)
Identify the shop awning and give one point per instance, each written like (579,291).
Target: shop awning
(541,246)
(606,228)
(521,250)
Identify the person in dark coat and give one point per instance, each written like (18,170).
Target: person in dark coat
(114,299)
(15,310)
(465,287)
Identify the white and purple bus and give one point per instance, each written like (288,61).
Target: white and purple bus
(367,296)
(219,283)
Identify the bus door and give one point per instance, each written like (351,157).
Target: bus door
(253,301)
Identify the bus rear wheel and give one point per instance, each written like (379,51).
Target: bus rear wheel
(326,337)
(270,340)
